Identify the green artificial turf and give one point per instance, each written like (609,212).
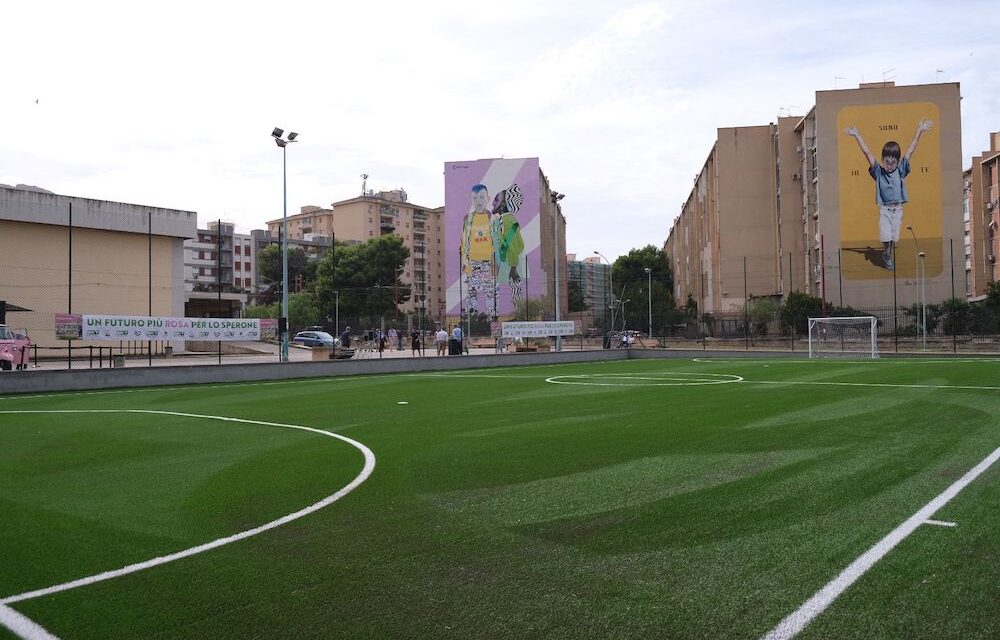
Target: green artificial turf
(623,505)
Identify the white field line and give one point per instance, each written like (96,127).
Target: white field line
(804,359)
(797,621)
(22,626)
(875,384)
(214,544)
(941,523)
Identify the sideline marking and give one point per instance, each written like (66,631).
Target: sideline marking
(23,626)
(797,621)
(242,535)
(941,523)
(874,384)
(672,379)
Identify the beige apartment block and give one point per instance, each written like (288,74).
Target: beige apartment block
(375,214)
(981,216)
(125,259)
(794,203)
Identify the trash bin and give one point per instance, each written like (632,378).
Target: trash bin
(168,352)
(117,361)
(454,347)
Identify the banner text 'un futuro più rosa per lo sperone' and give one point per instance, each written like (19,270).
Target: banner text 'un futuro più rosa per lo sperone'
(103,327)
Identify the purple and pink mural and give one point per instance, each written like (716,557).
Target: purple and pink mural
(492,241)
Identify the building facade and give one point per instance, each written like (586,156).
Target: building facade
(791,206)
(594,279)
(62,254)
(981,215)
(360,219)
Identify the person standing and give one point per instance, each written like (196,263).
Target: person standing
(441,341)
(345,337)
(392,336)
(415,342)
(457,338)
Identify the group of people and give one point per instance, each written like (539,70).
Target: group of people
(456,341)
(382,340)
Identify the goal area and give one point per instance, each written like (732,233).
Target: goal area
(851,337)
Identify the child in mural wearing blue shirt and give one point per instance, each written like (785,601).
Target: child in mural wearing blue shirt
(890,190)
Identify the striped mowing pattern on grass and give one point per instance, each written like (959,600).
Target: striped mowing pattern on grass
(505,506)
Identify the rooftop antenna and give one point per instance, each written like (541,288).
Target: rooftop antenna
(937,74)
(885,75)
(835,79)
(364,183)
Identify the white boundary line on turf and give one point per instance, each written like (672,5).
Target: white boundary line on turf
(23,626)
(874,384)
(804,358)
(366,471)
(797,621)
(692,379)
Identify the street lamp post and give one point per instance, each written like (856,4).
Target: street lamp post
(922,264)
(649,298)
(283,143)
(336,306)
(921,273)
(556,197)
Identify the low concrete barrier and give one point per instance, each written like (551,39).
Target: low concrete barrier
(92,379)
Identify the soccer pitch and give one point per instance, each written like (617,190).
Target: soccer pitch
(630,499)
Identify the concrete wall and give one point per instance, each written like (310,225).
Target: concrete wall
(132,377)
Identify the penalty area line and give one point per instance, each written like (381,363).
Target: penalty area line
(22,626)
(874,384)
(814,606)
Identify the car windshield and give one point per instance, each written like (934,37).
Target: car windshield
(324,336)
(5,333)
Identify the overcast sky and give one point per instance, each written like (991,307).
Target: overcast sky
(171,104)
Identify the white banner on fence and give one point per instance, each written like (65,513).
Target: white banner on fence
(538,329)
(157,328)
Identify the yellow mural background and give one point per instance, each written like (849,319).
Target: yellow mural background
(859,212)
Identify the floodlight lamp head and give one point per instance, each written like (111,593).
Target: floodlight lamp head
(647,269)
(277,133)
(922,254)
(292,135)
(280,142)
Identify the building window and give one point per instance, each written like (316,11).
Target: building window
(238,265)
(237,249)
(246,266)
(246,282)
(201,271)
(201,255)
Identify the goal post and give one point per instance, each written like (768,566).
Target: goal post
(847,337)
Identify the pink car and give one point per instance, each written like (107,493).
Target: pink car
(15,348)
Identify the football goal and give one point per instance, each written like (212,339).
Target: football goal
(855,337)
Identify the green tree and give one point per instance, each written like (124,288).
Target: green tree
(762,311)
(796,311)
(263,311)
(302,311)
(366,275)
(269,270)
(576,301)
(956,316)
(531,308)
(633,284)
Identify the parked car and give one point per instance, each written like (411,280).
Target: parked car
(315,339)
(14,348)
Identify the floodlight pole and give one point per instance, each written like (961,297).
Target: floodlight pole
(556,197)
(283,143)
(284,252)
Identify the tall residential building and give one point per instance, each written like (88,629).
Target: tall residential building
(791,206)
(594,278)
(218,258)
(380,213)
(981,209)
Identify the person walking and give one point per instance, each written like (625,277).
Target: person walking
(457,339)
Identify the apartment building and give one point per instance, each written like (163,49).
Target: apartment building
(594,279)
(790,206)
(219,272)
(375,214)
(981,218)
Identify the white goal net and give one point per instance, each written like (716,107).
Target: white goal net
(855,337)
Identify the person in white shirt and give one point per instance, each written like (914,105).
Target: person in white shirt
(441,341)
